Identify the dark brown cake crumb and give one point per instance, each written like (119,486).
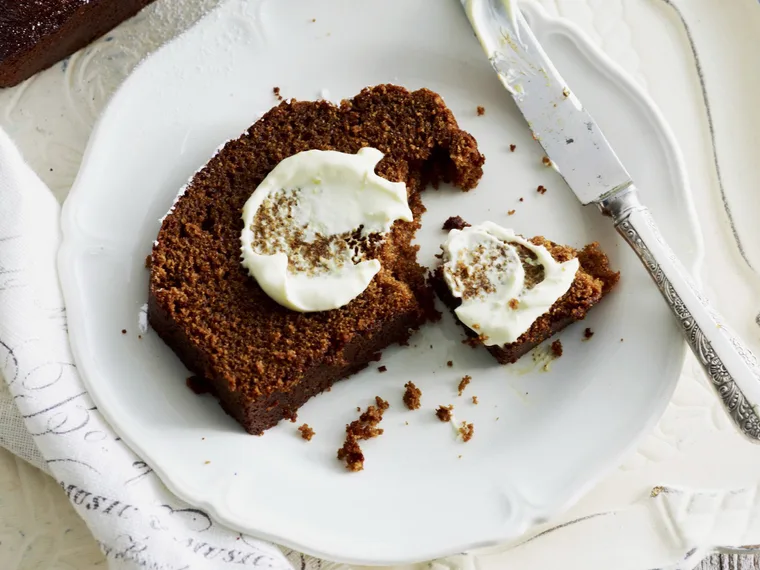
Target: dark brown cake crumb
(541,189)
(466,431)
(546,161)
(455,223)
(512,147)
(481,110)
(197,384)
(450,363)
(463,383)
(123,331)
(276,91)
(444,413)
(306,432)
(475,400)
(147,261)
(522,199)
(557,348)
(363,428)
(412,396)
(587,334)
(510,212)
(382,368)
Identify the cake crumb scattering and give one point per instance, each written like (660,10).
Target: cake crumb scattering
(306,432)
(510,212)
(541,189)
(475,400)
(412,396)
(587,334)
(557,348)
(455,223)
(363,428)
(276,91)
(512,147)
(481,110)
(450,363)
(444,413)
(382,368)
(466,431)
(463,383)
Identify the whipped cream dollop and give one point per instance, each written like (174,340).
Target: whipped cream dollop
(505,282)
(310,227)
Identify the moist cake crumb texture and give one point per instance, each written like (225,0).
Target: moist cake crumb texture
(261,360)
(557,348)
(444,413)
(363,428)
(306,432)
(412,396)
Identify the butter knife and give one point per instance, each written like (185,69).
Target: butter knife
(581,154)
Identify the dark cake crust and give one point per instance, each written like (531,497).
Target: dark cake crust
(34,34)
(593,281)
(261,360)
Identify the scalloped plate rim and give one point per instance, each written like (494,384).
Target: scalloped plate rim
(71,237)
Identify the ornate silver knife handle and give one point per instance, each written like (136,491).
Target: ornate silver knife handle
(731,366)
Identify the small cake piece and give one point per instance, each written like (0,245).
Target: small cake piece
(412,396)
(263,360)
(512,293)
(454,223)
(363,428)
(306,432)
(587,334)
(466,431)
(463,383)
(34,34)
(557,348)
(444,413)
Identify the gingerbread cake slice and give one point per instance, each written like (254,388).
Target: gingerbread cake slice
(261,358)
(511,293)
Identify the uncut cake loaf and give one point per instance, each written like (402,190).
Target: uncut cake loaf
(260,359)
(592,281)
(34,34)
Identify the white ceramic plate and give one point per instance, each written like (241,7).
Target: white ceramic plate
(541,438)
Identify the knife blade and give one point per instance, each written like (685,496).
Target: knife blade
(579,151)
(571,138)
